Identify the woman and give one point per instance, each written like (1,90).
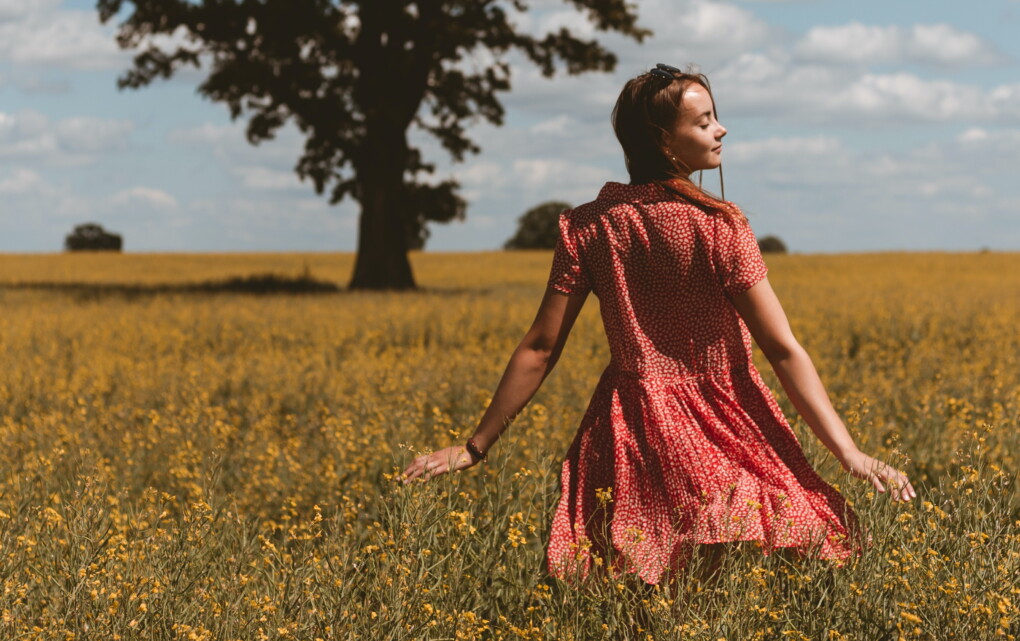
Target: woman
(683,446)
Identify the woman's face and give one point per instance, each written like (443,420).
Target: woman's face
(697,139)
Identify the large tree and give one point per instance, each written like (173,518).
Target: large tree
(355,75)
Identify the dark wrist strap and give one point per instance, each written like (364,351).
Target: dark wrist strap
(474,451)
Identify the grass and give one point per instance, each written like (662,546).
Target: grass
(209,464)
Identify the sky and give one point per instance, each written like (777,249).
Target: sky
(852,127)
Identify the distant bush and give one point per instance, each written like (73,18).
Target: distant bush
(771,245)
(538,228)
(92,237)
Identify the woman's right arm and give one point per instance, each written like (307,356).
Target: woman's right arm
(765,319)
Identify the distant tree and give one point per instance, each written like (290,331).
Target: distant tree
(771,245)
(538,227)
(92,237)
(354,75)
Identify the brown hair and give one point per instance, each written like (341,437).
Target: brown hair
(646,111)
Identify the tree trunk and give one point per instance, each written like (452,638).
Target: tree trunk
(382,160)
(382,261)
(382,252)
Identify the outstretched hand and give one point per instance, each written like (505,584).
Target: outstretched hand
(866,467)
(427,466)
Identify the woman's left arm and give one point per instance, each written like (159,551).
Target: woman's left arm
(530,363)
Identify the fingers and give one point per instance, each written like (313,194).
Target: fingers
(906,490)
(412,472)
(422,470)
(877,483)
(883,477)
(428,466)
(422,467)
(902,489)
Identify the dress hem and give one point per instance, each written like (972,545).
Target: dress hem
(804,551)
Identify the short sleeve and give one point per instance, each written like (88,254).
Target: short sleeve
(567,275)
(739,261)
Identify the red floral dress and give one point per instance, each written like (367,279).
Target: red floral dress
(682,442)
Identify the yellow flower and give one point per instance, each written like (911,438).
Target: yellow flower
(913,618)
(515,537)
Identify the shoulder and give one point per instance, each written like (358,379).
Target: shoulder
(602,208)
(617,199)
(585,215)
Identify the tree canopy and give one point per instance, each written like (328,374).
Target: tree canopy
(771,245)
(538,228)
(92,237)
(354,76)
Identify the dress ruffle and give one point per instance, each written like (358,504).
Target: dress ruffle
(687,460)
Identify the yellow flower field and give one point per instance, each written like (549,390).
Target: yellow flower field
(222,465)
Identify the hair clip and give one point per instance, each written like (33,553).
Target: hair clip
(662,74)
(669,68)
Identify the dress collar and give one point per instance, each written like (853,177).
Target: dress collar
(615,192)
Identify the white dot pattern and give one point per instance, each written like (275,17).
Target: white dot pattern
(681,430)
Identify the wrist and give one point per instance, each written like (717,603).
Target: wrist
(476,453)
(845,454)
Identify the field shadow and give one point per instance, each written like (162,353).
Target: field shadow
(256,284)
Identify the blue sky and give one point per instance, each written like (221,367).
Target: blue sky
(853,126)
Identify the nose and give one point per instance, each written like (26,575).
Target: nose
(722,131)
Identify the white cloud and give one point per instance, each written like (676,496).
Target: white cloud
(229,144)
(557,125)
(771,84)
(701,32)
(941,43)
(774,84)
(1005,99)
(268,224)
(483,171)
(516,175)
(1000,140)
(207,134)
(974,134)
(93,135)
(947,163)
(902,95)
(936,44)
(41,33)
(21,181)
(12,10)
(35,84)
(854,42)
(75,140)
(540,172)
(770,148)
(575,21)
(817,196)
(144,197)
(909,95)
(264,178)
(712,22)
(68,39)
